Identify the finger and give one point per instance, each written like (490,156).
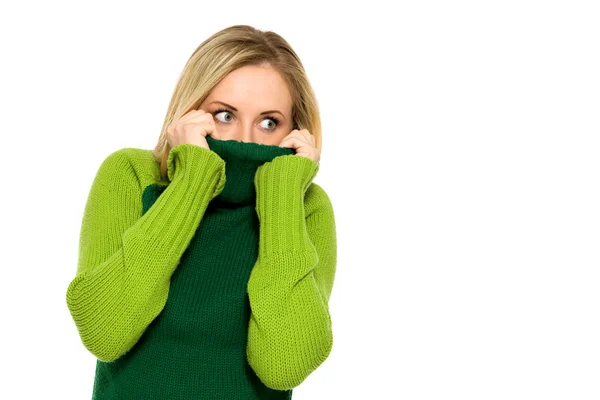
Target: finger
(207,128)
(192,114)
(300,135)
(214,134)
(293,142)
(203,117)
(306,134)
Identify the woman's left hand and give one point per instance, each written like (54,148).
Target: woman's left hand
(303,142)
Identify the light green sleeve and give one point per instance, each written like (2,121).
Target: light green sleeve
(125,259)
(290,330)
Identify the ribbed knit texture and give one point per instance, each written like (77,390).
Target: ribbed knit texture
(213,284)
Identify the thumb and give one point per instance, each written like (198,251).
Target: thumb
(215,133)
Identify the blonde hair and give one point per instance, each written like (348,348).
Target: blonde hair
(225,51)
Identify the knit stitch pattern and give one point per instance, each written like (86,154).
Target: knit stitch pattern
(212,284)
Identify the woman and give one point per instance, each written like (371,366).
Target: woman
(206,265)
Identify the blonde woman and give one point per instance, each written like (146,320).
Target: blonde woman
(206,265)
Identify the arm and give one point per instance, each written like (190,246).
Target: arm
(290,330)
(125,259)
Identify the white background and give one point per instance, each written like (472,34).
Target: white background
(460,151)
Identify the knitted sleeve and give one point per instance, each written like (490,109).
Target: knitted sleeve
(126,259)
(290,330)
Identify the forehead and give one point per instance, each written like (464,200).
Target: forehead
(253,87)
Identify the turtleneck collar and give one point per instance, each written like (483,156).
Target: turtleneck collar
(242,159)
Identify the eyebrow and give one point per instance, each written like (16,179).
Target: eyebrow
(235,109)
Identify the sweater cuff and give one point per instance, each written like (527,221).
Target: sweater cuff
(280,188)
(194,163)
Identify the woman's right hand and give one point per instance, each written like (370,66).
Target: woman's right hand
(192,128)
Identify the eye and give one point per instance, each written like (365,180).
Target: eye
(222,111)
(273,125)
(274,122)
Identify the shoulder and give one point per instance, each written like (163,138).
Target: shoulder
(131,163)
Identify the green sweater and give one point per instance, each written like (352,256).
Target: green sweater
(213,284)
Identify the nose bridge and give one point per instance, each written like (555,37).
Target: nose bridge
(245,134)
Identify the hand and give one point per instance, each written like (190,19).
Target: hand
(303,142)
(193,128)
